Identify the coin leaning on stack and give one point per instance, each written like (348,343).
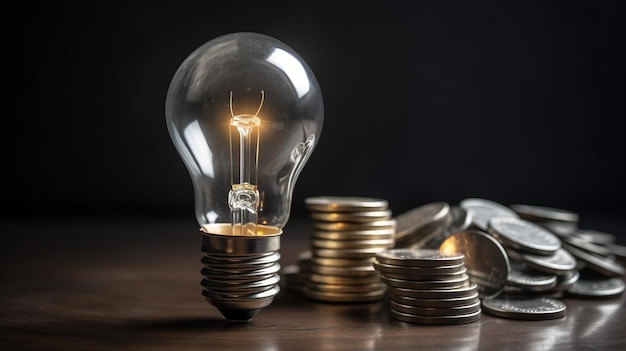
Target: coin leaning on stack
(428,286)
(347,234)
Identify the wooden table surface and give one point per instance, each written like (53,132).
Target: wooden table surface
(134,284)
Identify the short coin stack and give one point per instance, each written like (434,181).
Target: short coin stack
(347,234)
(428,286)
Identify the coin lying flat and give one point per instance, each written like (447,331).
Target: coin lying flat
(599,264)
(529,279)
(542,213)
(419,258)
(466,289)
(523,235)
(482,210)
(597,288)
(521,307)
(558,263)
(486,260)
(418,319)
(594,236)
(436,311)
(434,302)
(345,204)
(347,297)
(354,217)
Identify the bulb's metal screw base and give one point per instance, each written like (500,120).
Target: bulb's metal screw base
(241,273)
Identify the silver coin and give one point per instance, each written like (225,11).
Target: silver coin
(559,228)
(345,204)
(421,224)
(436,311)
(617,250)
(523,235)
(560,262)
(597,288)
(417,319)
(530,280)
(542,213)
(418,273)
(486,260)
(599,264)
(466,289)
(461,220)
(353,234)
(521,307)
(566,281)
(435,302)
(426,284)
(389,224)
(425,277)
(587,246)
(595,236)
(419,258)
(482,210)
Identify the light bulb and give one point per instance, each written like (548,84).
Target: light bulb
(245,113)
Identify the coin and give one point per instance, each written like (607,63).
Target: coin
(347,297)
(560,262)
(599,264)
(425,285)
(434,302)
(521,307)
(352,217)
(523,235)
(330,279)
(347,271)
(565,281)
(418,319)
(598,287)
(529,279)
(347,253)
(419,257)
(482,210)
(342,262)
(389,224)
(345,204)
(543,213)
(486,260)
(595,236)
(416,273)
(353,234)
(353,244)
(419,225)
(588,246)
(467,288)
(436,311)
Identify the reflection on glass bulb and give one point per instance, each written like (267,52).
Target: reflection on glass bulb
(245,112)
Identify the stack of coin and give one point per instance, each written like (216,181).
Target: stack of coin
(428,286)
(347,234)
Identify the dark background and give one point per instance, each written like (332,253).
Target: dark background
(517,102)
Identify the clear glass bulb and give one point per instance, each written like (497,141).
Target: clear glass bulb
(245,113)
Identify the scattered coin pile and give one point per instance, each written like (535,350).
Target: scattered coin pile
(347,234)
(428,286)
(518,260)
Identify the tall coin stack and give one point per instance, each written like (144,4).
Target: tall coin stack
(347,234)
(427,286)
